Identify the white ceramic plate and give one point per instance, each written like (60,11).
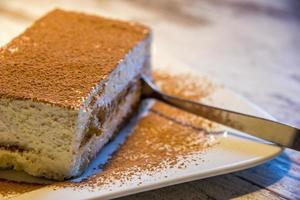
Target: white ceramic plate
(235,152)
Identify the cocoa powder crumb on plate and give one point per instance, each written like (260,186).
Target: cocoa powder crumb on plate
(162,138)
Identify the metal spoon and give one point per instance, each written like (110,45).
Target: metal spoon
(281,134)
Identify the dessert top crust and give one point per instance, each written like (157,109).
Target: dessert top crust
(63,55)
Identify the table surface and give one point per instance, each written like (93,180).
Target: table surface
(251,47)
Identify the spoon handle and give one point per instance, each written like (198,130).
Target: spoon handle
(276,132)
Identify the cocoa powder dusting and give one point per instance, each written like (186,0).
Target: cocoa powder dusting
(63,55)
(161,137)
(10,188)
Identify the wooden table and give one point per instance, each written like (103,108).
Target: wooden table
(252,47)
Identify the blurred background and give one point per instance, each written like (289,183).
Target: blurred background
(250,46)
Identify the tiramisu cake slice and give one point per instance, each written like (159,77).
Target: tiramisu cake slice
(67,84)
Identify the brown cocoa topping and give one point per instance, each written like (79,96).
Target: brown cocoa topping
(63,55)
